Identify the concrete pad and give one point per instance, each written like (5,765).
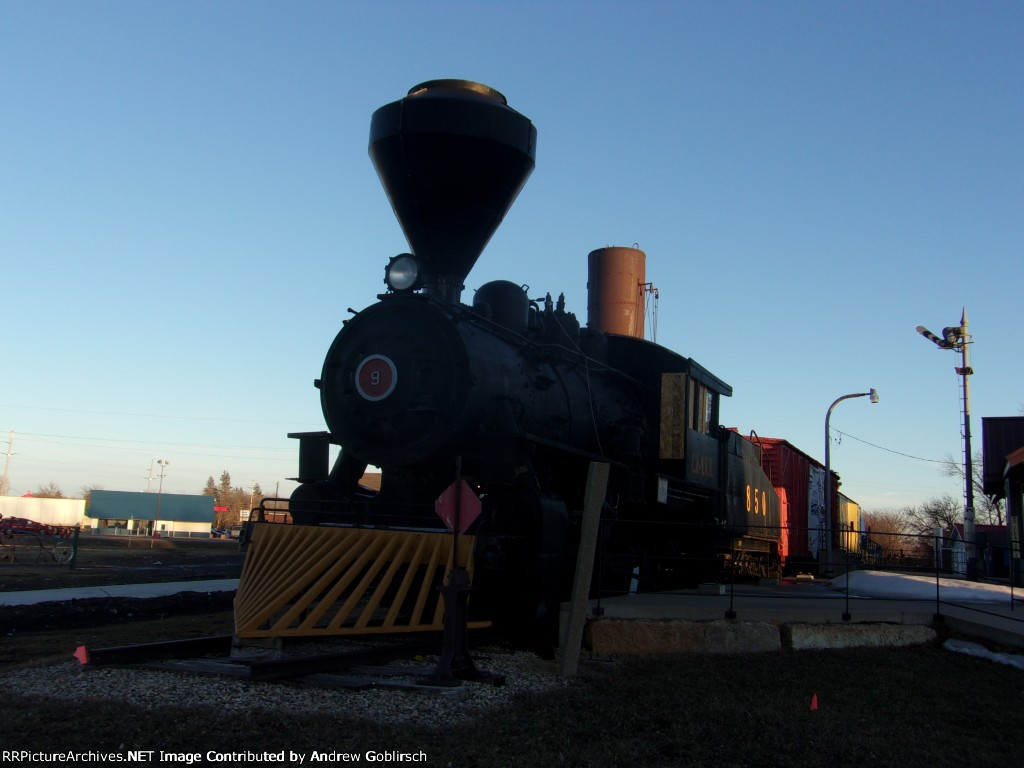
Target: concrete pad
(641,636)
(711,589)
(820,636)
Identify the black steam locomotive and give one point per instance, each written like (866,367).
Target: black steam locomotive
(511,393)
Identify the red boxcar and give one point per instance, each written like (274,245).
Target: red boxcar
(790,471)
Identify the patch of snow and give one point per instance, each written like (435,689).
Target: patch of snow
(909,586)
(975,649)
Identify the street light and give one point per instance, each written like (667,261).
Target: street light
(160,489)
(956,338)
(873,394)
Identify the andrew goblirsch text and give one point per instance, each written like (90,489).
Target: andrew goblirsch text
(18,756)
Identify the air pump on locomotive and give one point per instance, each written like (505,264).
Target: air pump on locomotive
(515,396)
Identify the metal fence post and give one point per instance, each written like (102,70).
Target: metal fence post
(846,613)
(731,613)
(938,566)
(74,547)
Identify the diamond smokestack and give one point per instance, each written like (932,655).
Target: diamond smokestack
(452,156)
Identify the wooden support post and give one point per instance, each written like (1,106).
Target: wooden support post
(593,500)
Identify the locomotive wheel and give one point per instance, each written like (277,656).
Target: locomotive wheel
(756,565)
(520,580)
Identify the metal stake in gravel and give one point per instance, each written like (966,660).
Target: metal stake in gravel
(457,507)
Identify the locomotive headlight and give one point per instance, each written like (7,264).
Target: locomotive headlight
(402,273)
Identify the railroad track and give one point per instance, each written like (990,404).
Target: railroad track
(352,664)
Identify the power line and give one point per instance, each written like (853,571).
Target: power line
(142,415)
(883,448)
(133,443)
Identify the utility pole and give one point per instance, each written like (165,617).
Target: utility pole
(7,461)
(965,372)
(159,492)
(956,338)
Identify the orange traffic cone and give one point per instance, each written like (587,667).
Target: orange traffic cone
(814,703)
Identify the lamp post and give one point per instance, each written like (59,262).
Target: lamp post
(159,491)
(873,394)
(956,338)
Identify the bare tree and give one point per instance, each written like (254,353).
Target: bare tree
(909,532)
(986,511)
(943,512)
(86,491)
(891,531)
(49,491)
(892,522)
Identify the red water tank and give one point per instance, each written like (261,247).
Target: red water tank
(615,291)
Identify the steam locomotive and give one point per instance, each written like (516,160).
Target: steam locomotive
(511,394)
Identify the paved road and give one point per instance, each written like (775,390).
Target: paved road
(34,596)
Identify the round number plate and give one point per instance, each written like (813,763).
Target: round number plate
(376,377)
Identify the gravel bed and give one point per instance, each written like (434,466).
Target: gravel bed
(69,681)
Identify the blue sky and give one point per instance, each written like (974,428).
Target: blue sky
(187,210)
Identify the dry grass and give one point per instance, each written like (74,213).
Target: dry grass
(905,707)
